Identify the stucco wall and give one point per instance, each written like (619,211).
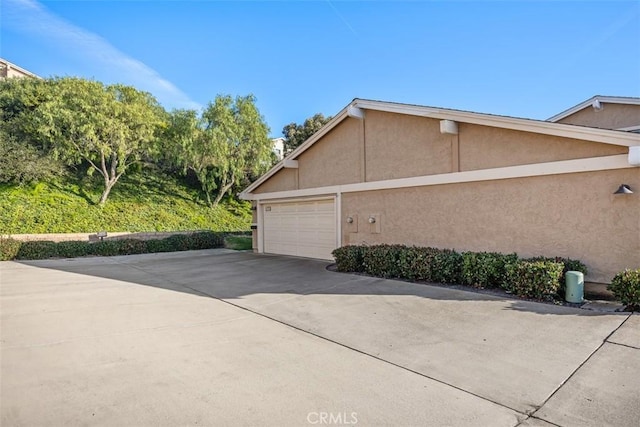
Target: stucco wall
(336,160)
(283,180)
(611,116)
(401,146)
(573,215)
(389,146)
(484,147)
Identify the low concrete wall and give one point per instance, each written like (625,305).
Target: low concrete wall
(65,237)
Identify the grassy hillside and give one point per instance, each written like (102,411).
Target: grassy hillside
(142,202)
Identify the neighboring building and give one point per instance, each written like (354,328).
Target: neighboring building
(278,147)
(9,70)
(382,172)
(606,112)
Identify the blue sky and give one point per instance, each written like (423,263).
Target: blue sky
(525,59)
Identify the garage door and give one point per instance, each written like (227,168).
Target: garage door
(306,229)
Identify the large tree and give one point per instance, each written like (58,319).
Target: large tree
(109,127)
(225,146)
(23,158)
(295,134)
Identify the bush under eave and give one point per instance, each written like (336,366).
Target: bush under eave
(626,288)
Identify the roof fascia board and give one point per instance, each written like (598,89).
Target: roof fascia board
(590,101)
(17,67)
(605,136)
(591,164)
(295,153)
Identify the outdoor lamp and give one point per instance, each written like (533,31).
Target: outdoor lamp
(623,189)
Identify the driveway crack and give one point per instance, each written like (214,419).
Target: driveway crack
(604,341)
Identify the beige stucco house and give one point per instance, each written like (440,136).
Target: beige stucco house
(606,112)
(382,172)
(9,70)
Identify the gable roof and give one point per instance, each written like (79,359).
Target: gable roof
(354,109)
(595,101)
(6,65)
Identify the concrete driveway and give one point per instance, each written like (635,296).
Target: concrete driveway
(226,338)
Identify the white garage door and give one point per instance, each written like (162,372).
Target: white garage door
(306,229)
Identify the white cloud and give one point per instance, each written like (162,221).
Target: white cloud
(29,16)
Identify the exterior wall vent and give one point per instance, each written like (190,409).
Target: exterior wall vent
(634,155)
(448,127)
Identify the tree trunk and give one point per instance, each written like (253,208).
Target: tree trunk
(222,192)
(108,185)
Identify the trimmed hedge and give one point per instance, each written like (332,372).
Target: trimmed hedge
(349,259)
(8,249)
(533,279)
(539,277)
(626,287)
(486,269)
(382,260)
(415,263)
(568,264)
(15,249)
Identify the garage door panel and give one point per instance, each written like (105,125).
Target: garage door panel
(305,229)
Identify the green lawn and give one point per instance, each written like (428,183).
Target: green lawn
(141,202)
(238,243)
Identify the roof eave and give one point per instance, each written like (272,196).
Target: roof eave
(590,101)
(343,114)
(606,136)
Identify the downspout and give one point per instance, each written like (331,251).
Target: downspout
(260,230)
(339,219)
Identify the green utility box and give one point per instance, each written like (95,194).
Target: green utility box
(575,287)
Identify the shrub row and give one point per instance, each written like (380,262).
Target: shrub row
(15,249)
(538,277)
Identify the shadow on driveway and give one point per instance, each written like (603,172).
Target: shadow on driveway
(511,352)
(228,274)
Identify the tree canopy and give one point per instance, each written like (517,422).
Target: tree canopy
(109,127)
(225,146)
(23,158)
(51,125)
(295,134)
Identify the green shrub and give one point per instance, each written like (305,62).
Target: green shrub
(37,249)
(415,263)
(73,249)
(158,245)
(141,202)
(105,248)
(205,240)
(349,259)
(382,260)
(178,242)
(446,267)
(485,269)
(9,248)
(573,265)
(533,279)
(626,288)
(131,246)
(568,264)
(13,249)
